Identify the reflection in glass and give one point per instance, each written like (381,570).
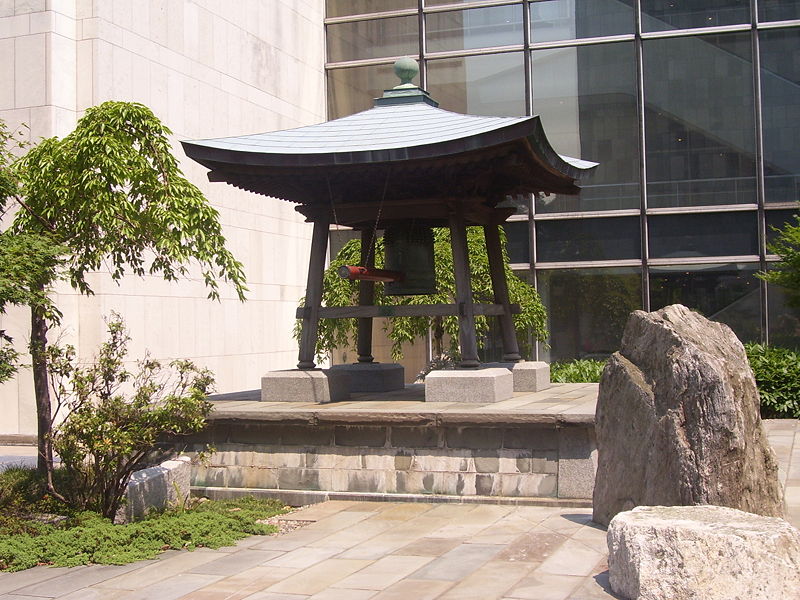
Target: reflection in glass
(517,241)
(342,8)
(553,20)
(661,15)
(586,98)
(777,219)
(728,293)
(588,239)
(493,84)
(353,90)
(780,96)
(699,129)
(784,319)
(708,234)
(476,28)
(377,38)
(587,310)
(778,10)
(441,2)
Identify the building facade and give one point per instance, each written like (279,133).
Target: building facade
(207,68)
(691,108)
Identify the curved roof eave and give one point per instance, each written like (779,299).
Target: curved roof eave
(403,134)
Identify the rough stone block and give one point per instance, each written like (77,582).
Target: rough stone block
(313,385)
(476,438)
(708,552)
(373,377)
(480,385)
(535,438)
(156,488)
(577,462)
(356,435)
(529,376)
(416,437)
(527,485)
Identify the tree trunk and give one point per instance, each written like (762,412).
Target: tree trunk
(42,390)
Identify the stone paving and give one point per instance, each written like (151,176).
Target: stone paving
(381,551)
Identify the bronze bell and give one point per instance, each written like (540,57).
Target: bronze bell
(409,249)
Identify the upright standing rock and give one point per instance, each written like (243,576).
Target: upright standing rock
(678,420)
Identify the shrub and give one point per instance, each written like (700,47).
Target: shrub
(107,435)
(88,538)
(777,374)
(577,371)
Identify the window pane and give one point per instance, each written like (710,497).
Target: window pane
(778,219)
(373,39)
(712,234)
(728,293)
(553,20)
(353,90)
(517,241)
(479,85)
(699,130)
(586,98)
(441,2)
(780,95)
(778,10)
(341,8)
(587,239)
(784,319)
(660,15)
(587,310)
(477,28)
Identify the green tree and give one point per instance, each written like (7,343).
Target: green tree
(787,272)
(341,333)
(25,259)
(112,195)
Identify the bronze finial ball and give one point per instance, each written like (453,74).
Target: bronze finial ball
(406,69)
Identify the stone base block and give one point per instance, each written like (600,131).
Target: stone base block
(156,488)
(312,385)
(480,385)
(374,377)
(529,376)
(708,552)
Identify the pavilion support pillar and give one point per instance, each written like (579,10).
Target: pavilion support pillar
(316,268)
(366,297)
(497,272)
(466,318)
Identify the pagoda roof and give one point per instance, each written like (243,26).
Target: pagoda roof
(405,148)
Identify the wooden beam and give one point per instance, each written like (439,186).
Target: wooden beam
(467,337)
(366,297)
(316,268)
(405,310)
(497,272)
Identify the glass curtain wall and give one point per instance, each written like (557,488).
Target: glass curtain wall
(691,108)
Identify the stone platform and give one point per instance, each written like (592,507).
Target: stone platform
(535,447)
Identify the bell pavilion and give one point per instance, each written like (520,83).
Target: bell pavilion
(402,167)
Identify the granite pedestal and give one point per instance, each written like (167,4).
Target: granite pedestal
(469,385)
(312,385)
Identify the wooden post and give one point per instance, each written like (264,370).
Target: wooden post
(366,297)
(466,318)
(316,268)
(500,288)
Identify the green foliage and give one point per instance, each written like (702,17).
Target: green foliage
(88,538)
(777,374)
(787,272)
(112,193)
(106,436)
(28,262)
(341,333)
(577,371)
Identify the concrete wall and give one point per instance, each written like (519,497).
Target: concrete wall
(207,68)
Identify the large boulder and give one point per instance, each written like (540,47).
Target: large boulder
(702,553)
(678,421)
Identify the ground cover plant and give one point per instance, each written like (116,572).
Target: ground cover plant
(29,537)
(577,371)
(777,374)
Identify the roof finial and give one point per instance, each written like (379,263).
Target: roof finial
(406,69)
